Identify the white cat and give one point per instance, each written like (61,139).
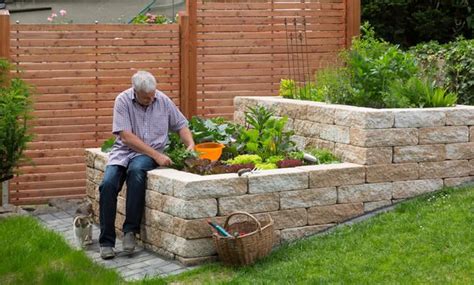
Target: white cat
(82,226)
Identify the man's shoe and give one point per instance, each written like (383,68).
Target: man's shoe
(107,252)
(129,242)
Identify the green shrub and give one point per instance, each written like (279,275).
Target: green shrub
(450,65)
(378,74)
(417,93)
(150,19)
(371,65)
(15,113)
(409,22)
(290,89)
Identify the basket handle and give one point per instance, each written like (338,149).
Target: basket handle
(245,214)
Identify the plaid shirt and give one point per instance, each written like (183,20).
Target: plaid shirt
(151,124)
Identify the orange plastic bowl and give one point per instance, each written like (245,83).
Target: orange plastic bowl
(209,150)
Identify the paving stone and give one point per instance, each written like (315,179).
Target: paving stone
(170,267)
(143,263)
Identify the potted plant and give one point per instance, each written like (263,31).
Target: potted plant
(15,110)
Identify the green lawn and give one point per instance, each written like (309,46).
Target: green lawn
(426,240)
(30,254)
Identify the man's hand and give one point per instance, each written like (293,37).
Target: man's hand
(162,159)
(190,147)
(187,138)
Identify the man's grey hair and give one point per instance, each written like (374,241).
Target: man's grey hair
(144,81)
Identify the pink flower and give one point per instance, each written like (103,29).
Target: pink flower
(50,19)
(62,12)
(54,15)
(148,15)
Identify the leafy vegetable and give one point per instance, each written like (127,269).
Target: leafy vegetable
(177,152)
(266,166)
(274,158)
(324,156)
(296,155)
(108,144)
(244,159)
(265,135)
(289,163)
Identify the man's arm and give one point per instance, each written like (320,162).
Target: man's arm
(187,138)
(133,142)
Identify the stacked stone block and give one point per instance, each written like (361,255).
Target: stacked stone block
(302,201)
(389,155)
(394,144)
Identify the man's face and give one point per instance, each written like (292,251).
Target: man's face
(145,98)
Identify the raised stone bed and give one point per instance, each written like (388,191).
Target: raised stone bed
(394,144)
(302,201)
(395,154)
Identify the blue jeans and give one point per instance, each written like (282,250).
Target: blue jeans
(114,177)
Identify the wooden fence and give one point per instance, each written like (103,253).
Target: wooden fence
(242,46)
(78,70)
(219,50)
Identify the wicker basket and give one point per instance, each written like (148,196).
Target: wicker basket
(245,249)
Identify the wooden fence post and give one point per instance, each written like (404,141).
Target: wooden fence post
(188,59)
(4,54)
(5,34)
(352,20)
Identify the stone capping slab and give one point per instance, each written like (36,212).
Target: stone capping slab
(276,180)
(420,118)
(362,117)
(187,185)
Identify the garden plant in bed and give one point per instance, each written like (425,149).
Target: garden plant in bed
(376,74)
(263,143)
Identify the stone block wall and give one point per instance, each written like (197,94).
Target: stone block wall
(389,155)
(393,144)
(302,201)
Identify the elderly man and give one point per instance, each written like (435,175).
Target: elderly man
(142,118)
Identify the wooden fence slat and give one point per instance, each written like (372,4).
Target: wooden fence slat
(47,194)
(92,35)
(93,57)
(51,176)
(258,28)
(99,50)
(93,27)
(49,184)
